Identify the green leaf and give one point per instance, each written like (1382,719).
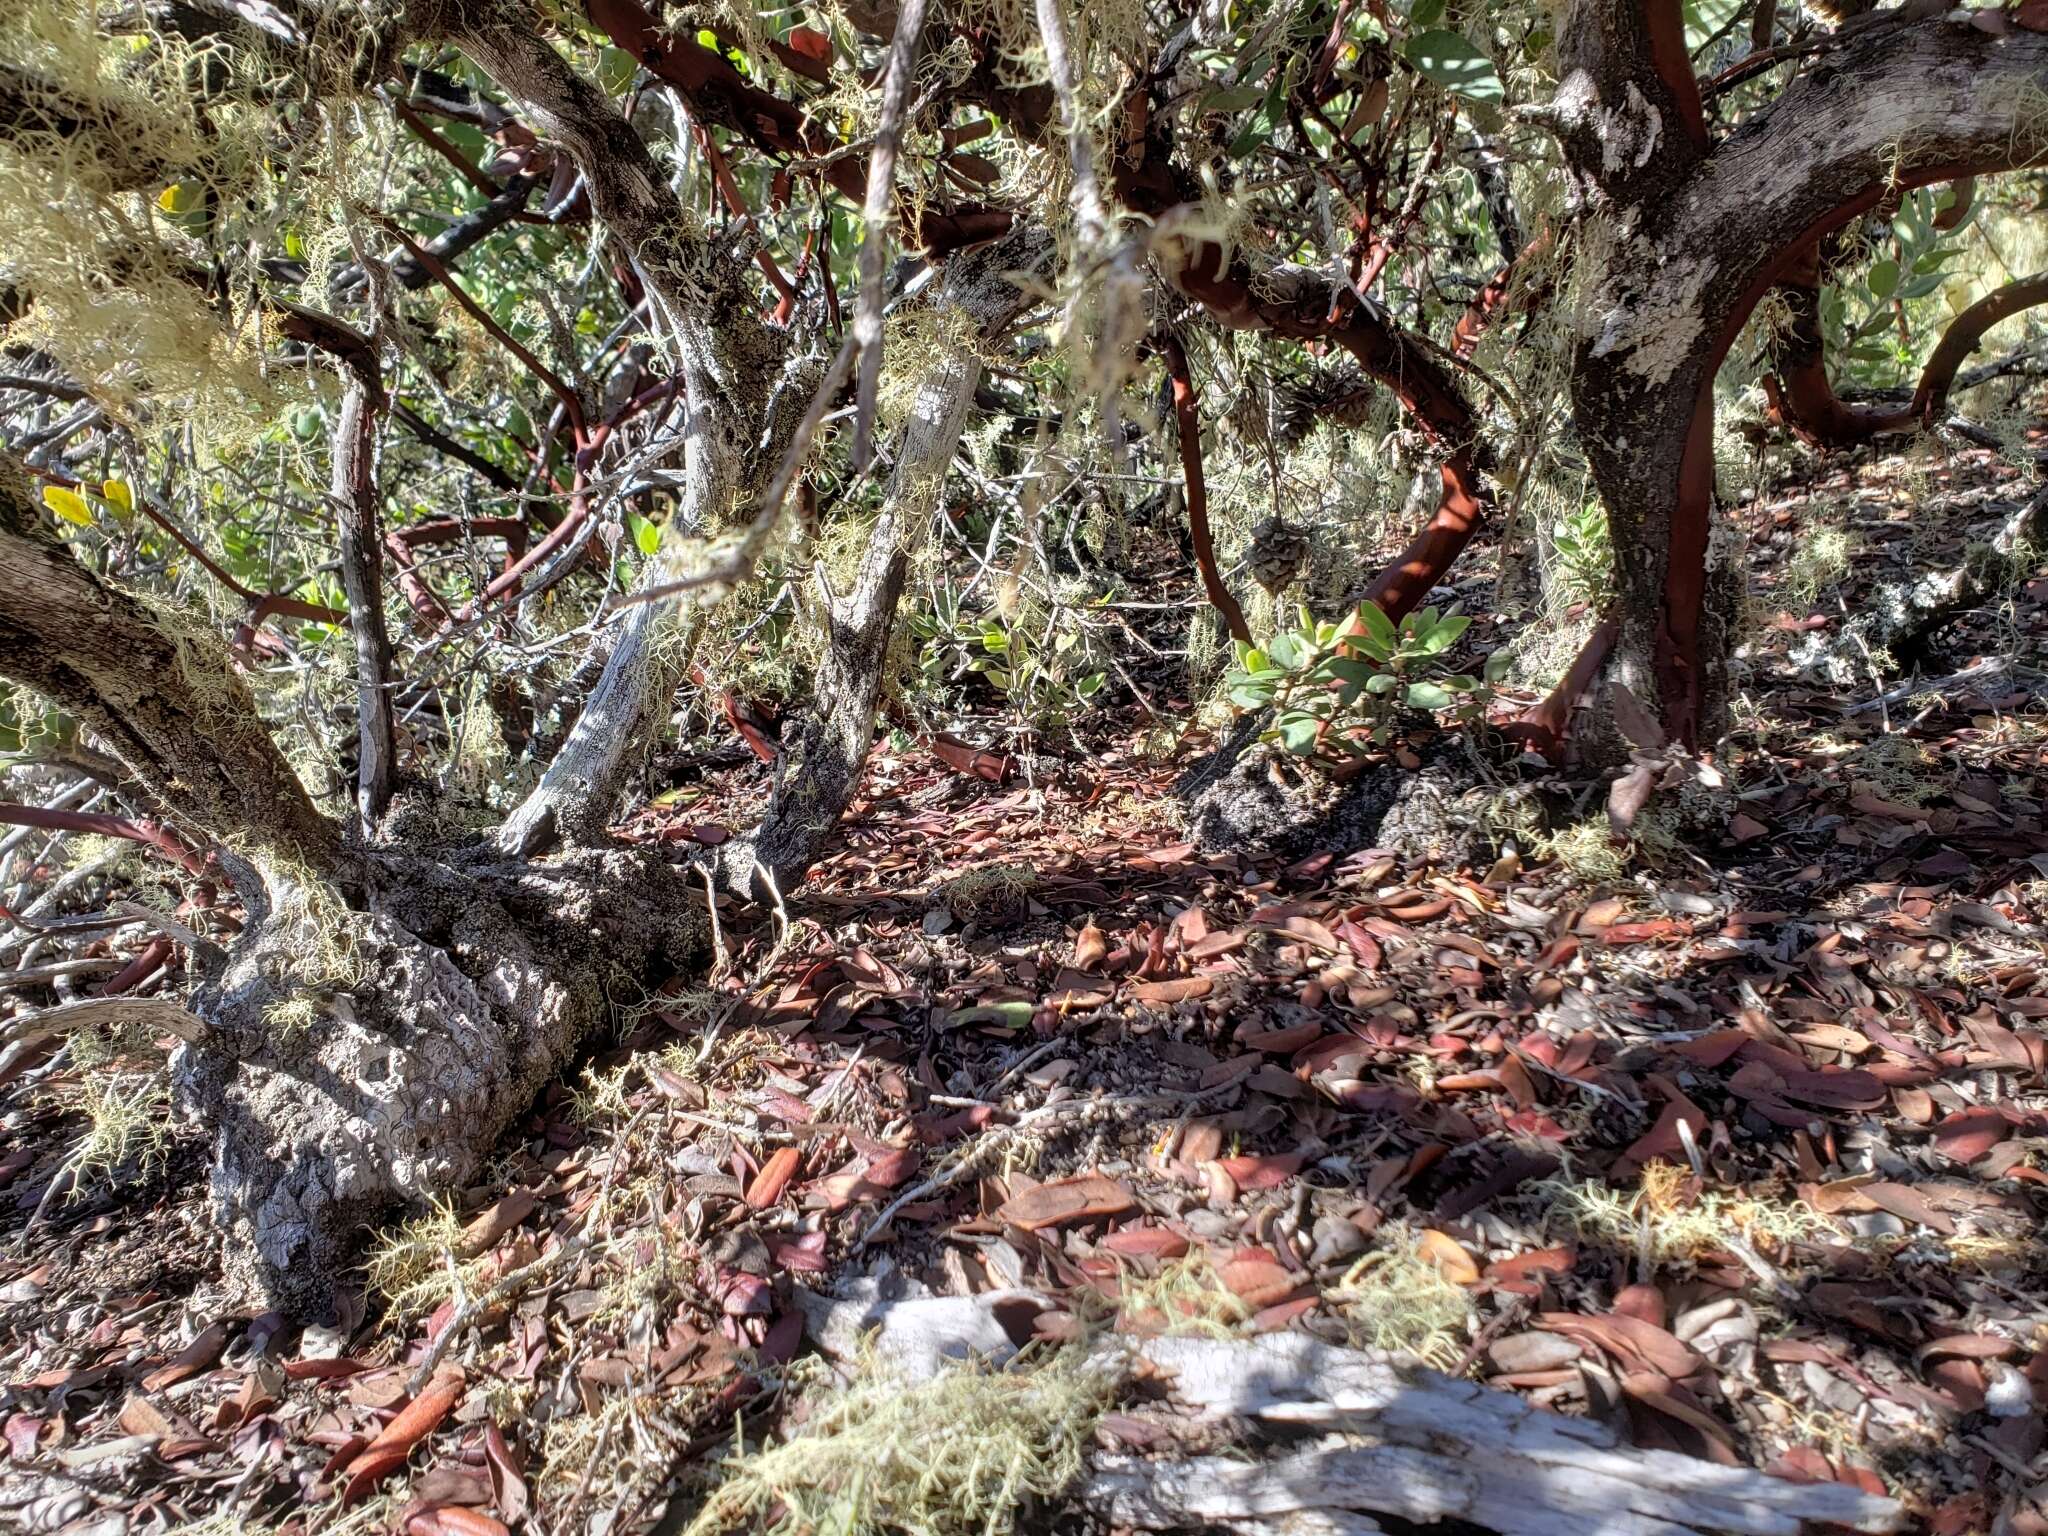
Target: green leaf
(615,70)
(1288,652)
(1427,696)
(1381,683)
(1498,665)
(1233,98)
(1444,635)
(1250,696)
(1298,733)
(1377,624)
(1090,685)
(1454,63)
(1884,278)
(646,536)
(68,505)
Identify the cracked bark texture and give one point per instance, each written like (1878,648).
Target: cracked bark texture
(1358,1432)
(328,1100)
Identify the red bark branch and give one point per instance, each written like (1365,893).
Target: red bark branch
(1490,305)
(483,317)
(1665,21)
(1802,397)
(157,838)
(1930,399)
(146,964)
(1390,355)
(718,93)
(1197,494)
(1677,653)
(1542,728)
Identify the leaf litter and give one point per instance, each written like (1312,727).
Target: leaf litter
(1736,1150)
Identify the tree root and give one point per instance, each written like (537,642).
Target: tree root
(355,1061)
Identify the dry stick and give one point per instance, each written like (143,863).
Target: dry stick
(867,317)
(1197,490)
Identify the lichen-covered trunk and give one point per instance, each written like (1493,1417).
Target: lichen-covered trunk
(384,1013)
(818,779)
(1680,234)
(354,1061)
(1651,445)
(168,706)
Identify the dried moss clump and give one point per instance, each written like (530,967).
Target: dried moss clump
(1398,1299)
(1659,1222)
(964,1454)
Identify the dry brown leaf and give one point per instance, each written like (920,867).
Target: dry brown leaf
(1084,1198)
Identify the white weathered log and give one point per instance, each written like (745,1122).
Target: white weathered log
(1416,1444)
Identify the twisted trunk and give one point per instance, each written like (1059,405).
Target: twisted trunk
(730,364)
(1682,243)
(817,781)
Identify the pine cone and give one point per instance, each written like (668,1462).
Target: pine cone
(1278,554)
(1342,396)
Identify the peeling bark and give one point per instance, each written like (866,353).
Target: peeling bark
(1690,242)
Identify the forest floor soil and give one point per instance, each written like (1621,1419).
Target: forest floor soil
(1735,1145)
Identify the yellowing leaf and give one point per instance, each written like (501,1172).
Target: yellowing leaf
(178,198)
(68,505)
(1449,1256)
(119,496)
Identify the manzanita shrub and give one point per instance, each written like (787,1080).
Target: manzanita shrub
(1339,690)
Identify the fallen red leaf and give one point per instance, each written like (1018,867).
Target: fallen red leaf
(769,1184)
(395,1442)
(810,42)
(195,1357)
(1063,1201)
(1970,1134)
